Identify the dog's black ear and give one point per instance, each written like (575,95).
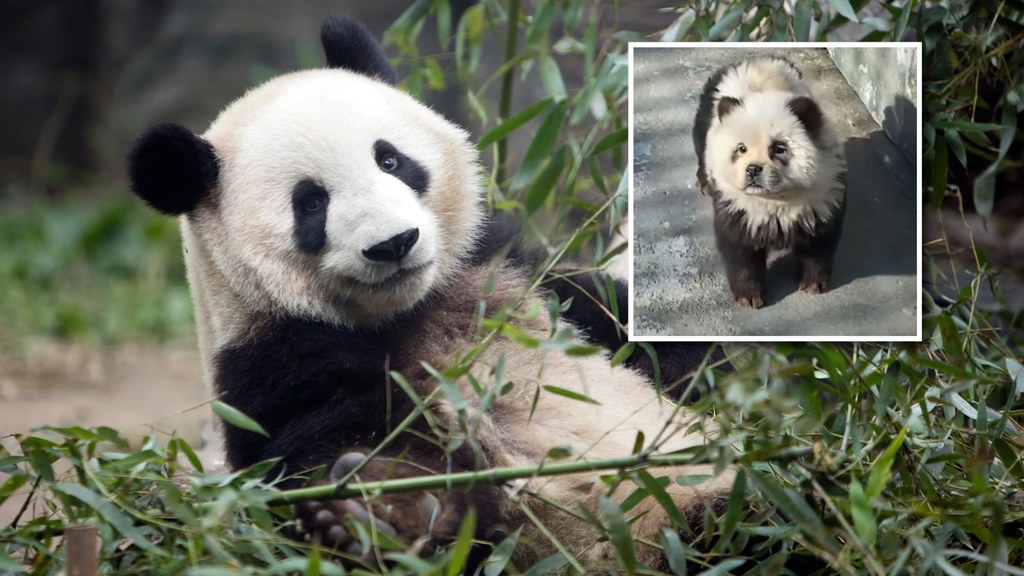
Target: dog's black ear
(808,113)
(171,168)
(349,45)
(727,104)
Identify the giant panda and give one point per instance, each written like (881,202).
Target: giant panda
(335,235)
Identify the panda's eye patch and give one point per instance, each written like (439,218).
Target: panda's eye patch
(778,149)
(401,166)
(309,209)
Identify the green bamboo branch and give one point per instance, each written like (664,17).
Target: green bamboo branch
(344,490)
(505,104)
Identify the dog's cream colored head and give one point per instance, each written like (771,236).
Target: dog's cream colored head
(764,145)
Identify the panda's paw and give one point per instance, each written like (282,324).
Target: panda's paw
(414,521)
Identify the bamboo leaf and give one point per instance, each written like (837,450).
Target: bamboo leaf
(967,127)
(612,140)
(623,353)
(444,22)
(551,77)
(570,394)
(656,488)
(724,567)
(502,553)
(548,565)
(463,544)
(725,24)
(844,8)
(956,145)
(544,184)
(675,552)
(1016,372)
(541,146)
(881,472)
(508,126)
(735,508)
(109,512)
(618,533)
(12,485)
(505,128)
(863,516)
(678,29)
(8,564)
(985,191)
(803,13)
(236,418)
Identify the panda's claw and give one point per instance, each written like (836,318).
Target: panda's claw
(417,519)
(344,465)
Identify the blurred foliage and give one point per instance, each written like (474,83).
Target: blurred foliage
(974,93)
(98,271)
(873,458)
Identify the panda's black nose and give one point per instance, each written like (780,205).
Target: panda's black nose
(754,170)
(393,249)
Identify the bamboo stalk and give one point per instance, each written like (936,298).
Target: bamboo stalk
(490,476)
(505,103)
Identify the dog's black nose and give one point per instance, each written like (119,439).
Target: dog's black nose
(754,170)
(393,249)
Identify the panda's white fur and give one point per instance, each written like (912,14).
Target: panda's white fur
(314,124)
(808,188)
(246,274)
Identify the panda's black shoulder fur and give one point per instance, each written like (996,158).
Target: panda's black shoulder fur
(310,385)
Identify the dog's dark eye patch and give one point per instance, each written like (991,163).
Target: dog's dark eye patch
(779,151)
(409,171)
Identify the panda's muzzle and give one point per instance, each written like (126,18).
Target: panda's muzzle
(393,249)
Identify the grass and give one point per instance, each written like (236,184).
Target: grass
(96,271)
(875,458)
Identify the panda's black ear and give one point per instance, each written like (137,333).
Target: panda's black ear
(349,45)
(171,168)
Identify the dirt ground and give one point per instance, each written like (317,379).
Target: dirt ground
(133,388)
(136,389)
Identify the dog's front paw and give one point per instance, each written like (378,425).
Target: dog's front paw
(417,520)
(814,286)
(750,300)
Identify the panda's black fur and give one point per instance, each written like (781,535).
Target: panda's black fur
(319,387)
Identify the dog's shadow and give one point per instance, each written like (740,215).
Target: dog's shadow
(880,228)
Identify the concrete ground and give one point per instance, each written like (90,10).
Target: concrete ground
(679,282)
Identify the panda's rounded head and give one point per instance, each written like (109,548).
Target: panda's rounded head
(327,194)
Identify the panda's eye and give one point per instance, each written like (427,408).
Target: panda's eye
(741,149)
(313,203)
(388,163)
(778,149)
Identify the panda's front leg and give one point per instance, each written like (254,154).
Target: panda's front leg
(419,521)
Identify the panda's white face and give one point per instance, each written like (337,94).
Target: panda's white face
(339,198)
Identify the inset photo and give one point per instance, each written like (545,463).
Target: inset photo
(775,192)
